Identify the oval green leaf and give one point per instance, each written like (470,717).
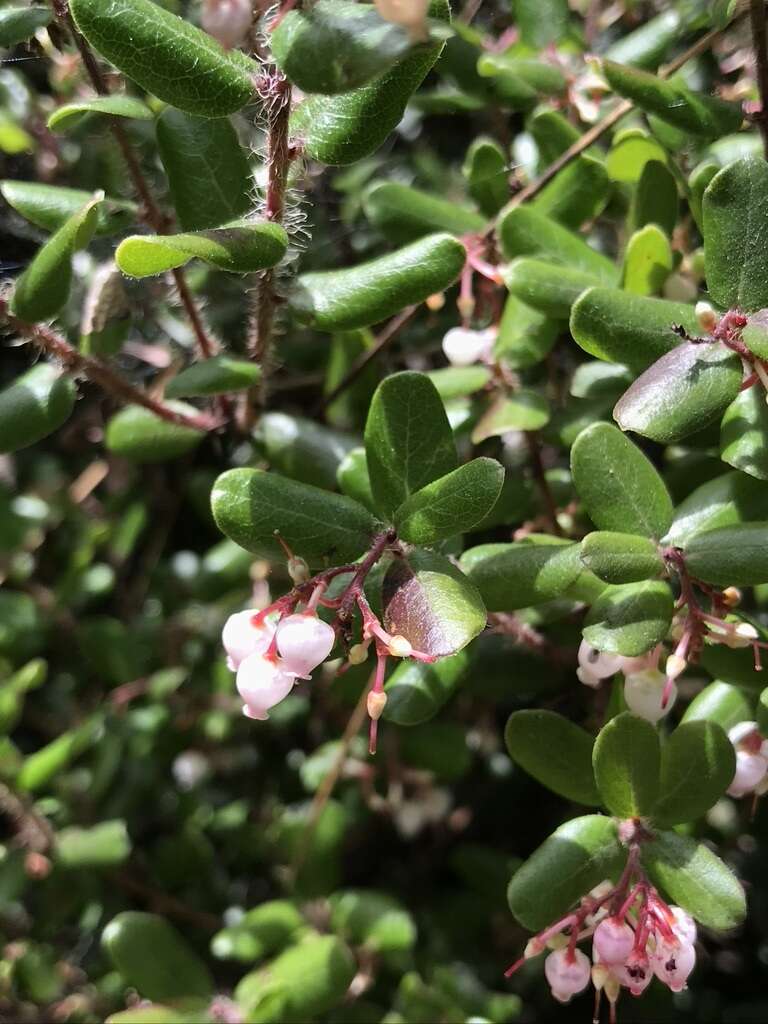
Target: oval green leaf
(621,557)
(549,287)
(630,619)
(555,751)
(216,376)
(744,433)
(33,406)
(524,231)
(730,555)
(698,763)
(66,117)
(403,213)
(140,435)
(626,761)
(511,576)
(721,703)
(49,206)
(17,24)
(416,690)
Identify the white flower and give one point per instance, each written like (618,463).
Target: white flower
(463,347)
(245,634)
(643,693)
(304,641)
(568,972)
(263,682)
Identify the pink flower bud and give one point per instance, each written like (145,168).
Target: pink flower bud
(304,641)
(684,926)
(227,21)
(643,693)
(750,771)
(597,663)
(243,635)
(673,964)
(613,941)
(263,682)
(568,972)
(635,974)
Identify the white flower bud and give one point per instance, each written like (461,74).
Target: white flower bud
(304,641)
(298,570)
(376,702)
(568,972)
(399,647)
(675,666)
(358,653)
(463,347)
(706,316)
(263,682)
(597,663)
(643,692)
(228,21)
(244,634)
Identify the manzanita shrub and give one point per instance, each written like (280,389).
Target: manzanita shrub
(383,363)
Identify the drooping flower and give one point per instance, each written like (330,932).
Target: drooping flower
(263,681)
(644,694)
(304,641)
(463,346)
(246,633)
(568,972)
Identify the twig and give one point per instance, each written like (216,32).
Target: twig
(537,464)
(365,358)
(597,131)
(99,373)
(165,904)
(152,212)
(757,19)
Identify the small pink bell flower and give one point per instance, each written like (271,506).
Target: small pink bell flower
(304,641)
(262,682)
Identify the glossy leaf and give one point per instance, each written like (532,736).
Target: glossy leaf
(730,555)
(140,435)
(216,376)
(34,405)
(629,329)
(358,296)
(523,231)
(17,24)
(416,690)
(618,484)
(403,213)
(524,410)
(353,478)
(648,261)
(735,208)
(552,132)
(511,576)
(673,102)
(519,80)
(682,392)
(335,46)
(302,449)
(647,45)
(548,287)
(239,248)
(526,335)
(721,703)
(576,194)
(459,381)
(173,971)
(630,619)
(698,763)
(573,860)
(557,753)
(693,877)
(626,760)
(67,117)
(621,557)
(630,152)
(451,504)
(744,433)
(49,206)
(431,603)
(166,55)
(44,286)
(655,200)
(486,169)
(408,439)
(249,505)
(728,499)
(209,176)
(345,128)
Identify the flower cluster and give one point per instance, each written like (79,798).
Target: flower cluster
(751,747)
(635,935)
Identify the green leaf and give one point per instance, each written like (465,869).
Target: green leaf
(416,690)
(630,619)
(755,333)
(45,764)
(138,434)
(249,505)
(216,376)
(735,207)
(100,846)
(574,859)
(266,929)
(698,763)
(239,248)
(358,296)
(728,499)
(403,213)
(313,976)
(372,919)
(34,405)
(66,117)
(552,133)
(408,439)
(698,181)
(345,128)
(44,286)
(730,555)
(431,603)
(335,46)
(541,22)
(648,261)
(621,557)
(209,176)
(520,81)
(167,56)
(655,200)
(439,748)
(670,100)
(486,169)
(549,287)
(49,206)
(626,762)
(523,410)
(721,703)
(647,45)
(682,392)
(172,971)
(106,319)
(17,24)
(744,433)
(511,576)
(695,879)
(459,381)
(524,231)
(451,504)
(596,379)
(628,329)
(576,194)
(353,479)
(350,407)
(302,449)
(557,753)
(618,485)
(526,336)
(189,1012)
(631,150)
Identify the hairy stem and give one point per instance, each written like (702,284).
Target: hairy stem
(760,43)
